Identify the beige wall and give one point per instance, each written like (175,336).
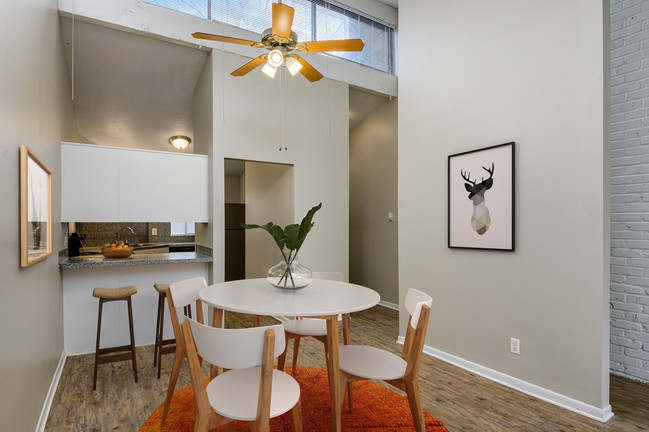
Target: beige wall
(373,248)
(35,110)
(269,198)
(534,73)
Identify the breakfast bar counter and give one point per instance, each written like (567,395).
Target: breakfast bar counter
(88,261)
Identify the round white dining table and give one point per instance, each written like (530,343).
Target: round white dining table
(321,298)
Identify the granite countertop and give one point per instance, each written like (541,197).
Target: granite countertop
(138,258)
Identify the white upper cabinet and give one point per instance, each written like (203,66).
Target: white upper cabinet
(112,184)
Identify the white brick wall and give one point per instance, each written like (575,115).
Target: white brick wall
(630,188)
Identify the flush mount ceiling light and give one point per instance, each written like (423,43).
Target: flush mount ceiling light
(280,39)
(179,141)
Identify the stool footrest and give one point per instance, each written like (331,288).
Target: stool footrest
(114,349)
(114,358)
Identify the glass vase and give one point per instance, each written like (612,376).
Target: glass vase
(289,274)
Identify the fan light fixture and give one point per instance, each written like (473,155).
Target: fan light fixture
(179,141)
(275,58)
(293,65)
(280,40)
(269,70)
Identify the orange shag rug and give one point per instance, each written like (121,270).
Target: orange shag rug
(376,408)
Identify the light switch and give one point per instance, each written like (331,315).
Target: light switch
(154,231)
(390,217)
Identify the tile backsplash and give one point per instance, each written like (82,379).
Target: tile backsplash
(98,233)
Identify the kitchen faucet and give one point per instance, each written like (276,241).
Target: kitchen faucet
(121,232)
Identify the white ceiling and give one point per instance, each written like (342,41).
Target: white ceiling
(132,90)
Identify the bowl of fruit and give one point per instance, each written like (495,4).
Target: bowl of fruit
(116,250)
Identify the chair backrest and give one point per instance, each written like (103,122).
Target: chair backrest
(418,305)
(235,348)
(186,291)
(180,295)
(334,276)
(415,299)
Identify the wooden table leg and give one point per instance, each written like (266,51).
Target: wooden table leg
(347,340)
(334,373)
(217,321)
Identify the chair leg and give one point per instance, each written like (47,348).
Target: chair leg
(130,325)
(156,343)
(296,350)
(255,321)
(175,371)
(412,390)
(161,335)
(94,380)
(296,417)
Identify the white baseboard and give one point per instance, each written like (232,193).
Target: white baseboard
(45,412)
(389,305)
(590,411)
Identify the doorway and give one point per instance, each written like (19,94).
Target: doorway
(255,193)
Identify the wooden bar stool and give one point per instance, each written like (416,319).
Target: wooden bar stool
(125,352)
(162,346)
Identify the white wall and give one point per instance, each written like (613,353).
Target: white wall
(373,239)
(35,110)
(202,114)
(629,201)
(533,73)
(252,116)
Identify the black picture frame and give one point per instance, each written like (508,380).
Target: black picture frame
(481,198)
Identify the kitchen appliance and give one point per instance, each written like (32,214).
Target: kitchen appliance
(74,244)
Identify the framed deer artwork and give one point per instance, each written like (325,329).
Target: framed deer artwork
(481,198)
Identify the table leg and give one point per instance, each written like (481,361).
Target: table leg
(334,373)
(347,340)
(217,321)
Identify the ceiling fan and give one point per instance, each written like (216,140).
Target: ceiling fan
(280,41)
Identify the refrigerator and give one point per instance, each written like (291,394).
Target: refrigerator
(235,242)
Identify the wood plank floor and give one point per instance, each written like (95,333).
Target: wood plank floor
(462,400)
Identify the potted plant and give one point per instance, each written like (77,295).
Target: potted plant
(289,273)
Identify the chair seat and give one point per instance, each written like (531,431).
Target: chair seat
(234,394)
(114,293)
(370,362)
(161,288)
(306,327)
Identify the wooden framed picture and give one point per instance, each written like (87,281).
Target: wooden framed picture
(481,198)
(35,209)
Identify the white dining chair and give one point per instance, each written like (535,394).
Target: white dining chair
(250,390)
(358,362)
(304,327)
(181,295)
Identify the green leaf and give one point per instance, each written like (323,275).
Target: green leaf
(306,225)
(274,230)
(291,236)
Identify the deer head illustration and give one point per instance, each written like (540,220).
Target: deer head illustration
(480,218)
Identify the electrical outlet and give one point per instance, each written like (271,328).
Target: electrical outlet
(515,345)
(154,231)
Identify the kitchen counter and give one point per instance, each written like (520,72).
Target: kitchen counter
(136,259)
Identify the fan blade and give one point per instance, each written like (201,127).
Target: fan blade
(331,45)
(218,38)
(282,20)
(308,71)
(250,66)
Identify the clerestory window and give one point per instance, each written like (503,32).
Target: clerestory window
(313,20)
